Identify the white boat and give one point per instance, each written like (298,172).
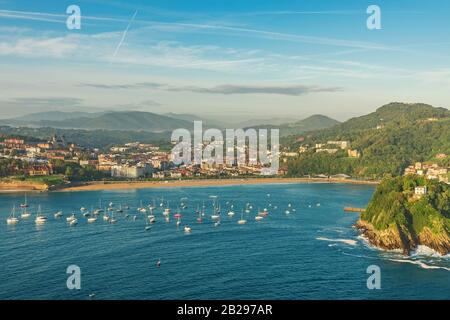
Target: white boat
(40,219)
(58,215)
(242,220)
(216,224)
(259,218)
(167,219)
(187,229)
(97,211)
(215,217)
(112,219)
(91,219)
(71,217)
(147,228)
(25,204)
(83,209)
(86,214)
(263,213)
(12,219)
(178,223)
(106,217)
(287,212)
(152,220)
(25,214)
(73,222)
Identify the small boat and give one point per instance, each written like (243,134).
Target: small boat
(178,223)
(58,214)
(25,214)
(91,219)
(83,209)
(287,212)
(40,219)
(86,214)
(106,217)
(147,228)
(12,219)
(74,222)
(97,211)
(263,213)
(152,220)
(71,217)
(242,220)
(25,204)
(187,229)
(177,215)
(217,223)
(166,211)
(259,218)
(112,220)
(318,205)
(167,219)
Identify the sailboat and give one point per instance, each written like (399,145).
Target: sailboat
(147,224)
(71,218)
(167,210)
(120,210)
(200,215)
(58,215)
(215,215)
(73,222)
(40,218)
(25,214)
(25,204)
(231,212)
(263,213)
(187,229)
(112,219)
(242,220)
(92,219)
(12,219)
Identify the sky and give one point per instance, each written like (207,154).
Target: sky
(232,60)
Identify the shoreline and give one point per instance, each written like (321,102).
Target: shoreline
(127,185)
(101,185)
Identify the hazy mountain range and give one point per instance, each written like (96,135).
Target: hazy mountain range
(152,122)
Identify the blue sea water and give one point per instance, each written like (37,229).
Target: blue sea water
(312,253)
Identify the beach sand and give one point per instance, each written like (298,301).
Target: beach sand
(100,185)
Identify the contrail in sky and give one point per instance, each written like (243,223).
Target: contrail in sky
(123,36)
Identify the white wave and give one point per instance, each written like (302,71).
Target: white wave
(346,241)
(429,252)
(422,264)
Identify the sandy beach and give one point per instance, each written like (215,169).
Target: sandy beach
(101,185)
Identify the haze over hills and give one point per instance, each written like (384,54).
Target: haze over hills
(152,122)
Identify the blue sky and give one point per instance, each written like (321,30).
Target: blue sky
(228,59)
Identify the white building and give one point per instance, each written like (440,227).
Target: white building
(419,191)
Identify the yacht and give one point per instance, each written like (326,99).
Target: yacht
(40,218)
(71,218)
(25,214)
(12,219)
(25,204)
(91,219)
(58,214)
(242,220)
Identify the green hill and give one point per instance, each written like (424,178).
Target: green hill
(397,219)
(406,133)
(314,122)
(124,120)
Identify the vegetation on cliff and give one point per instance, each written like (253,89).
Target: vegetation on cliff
(397,218)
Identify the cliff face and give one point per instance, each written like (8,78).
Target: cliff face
(394,238)
(396,219)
